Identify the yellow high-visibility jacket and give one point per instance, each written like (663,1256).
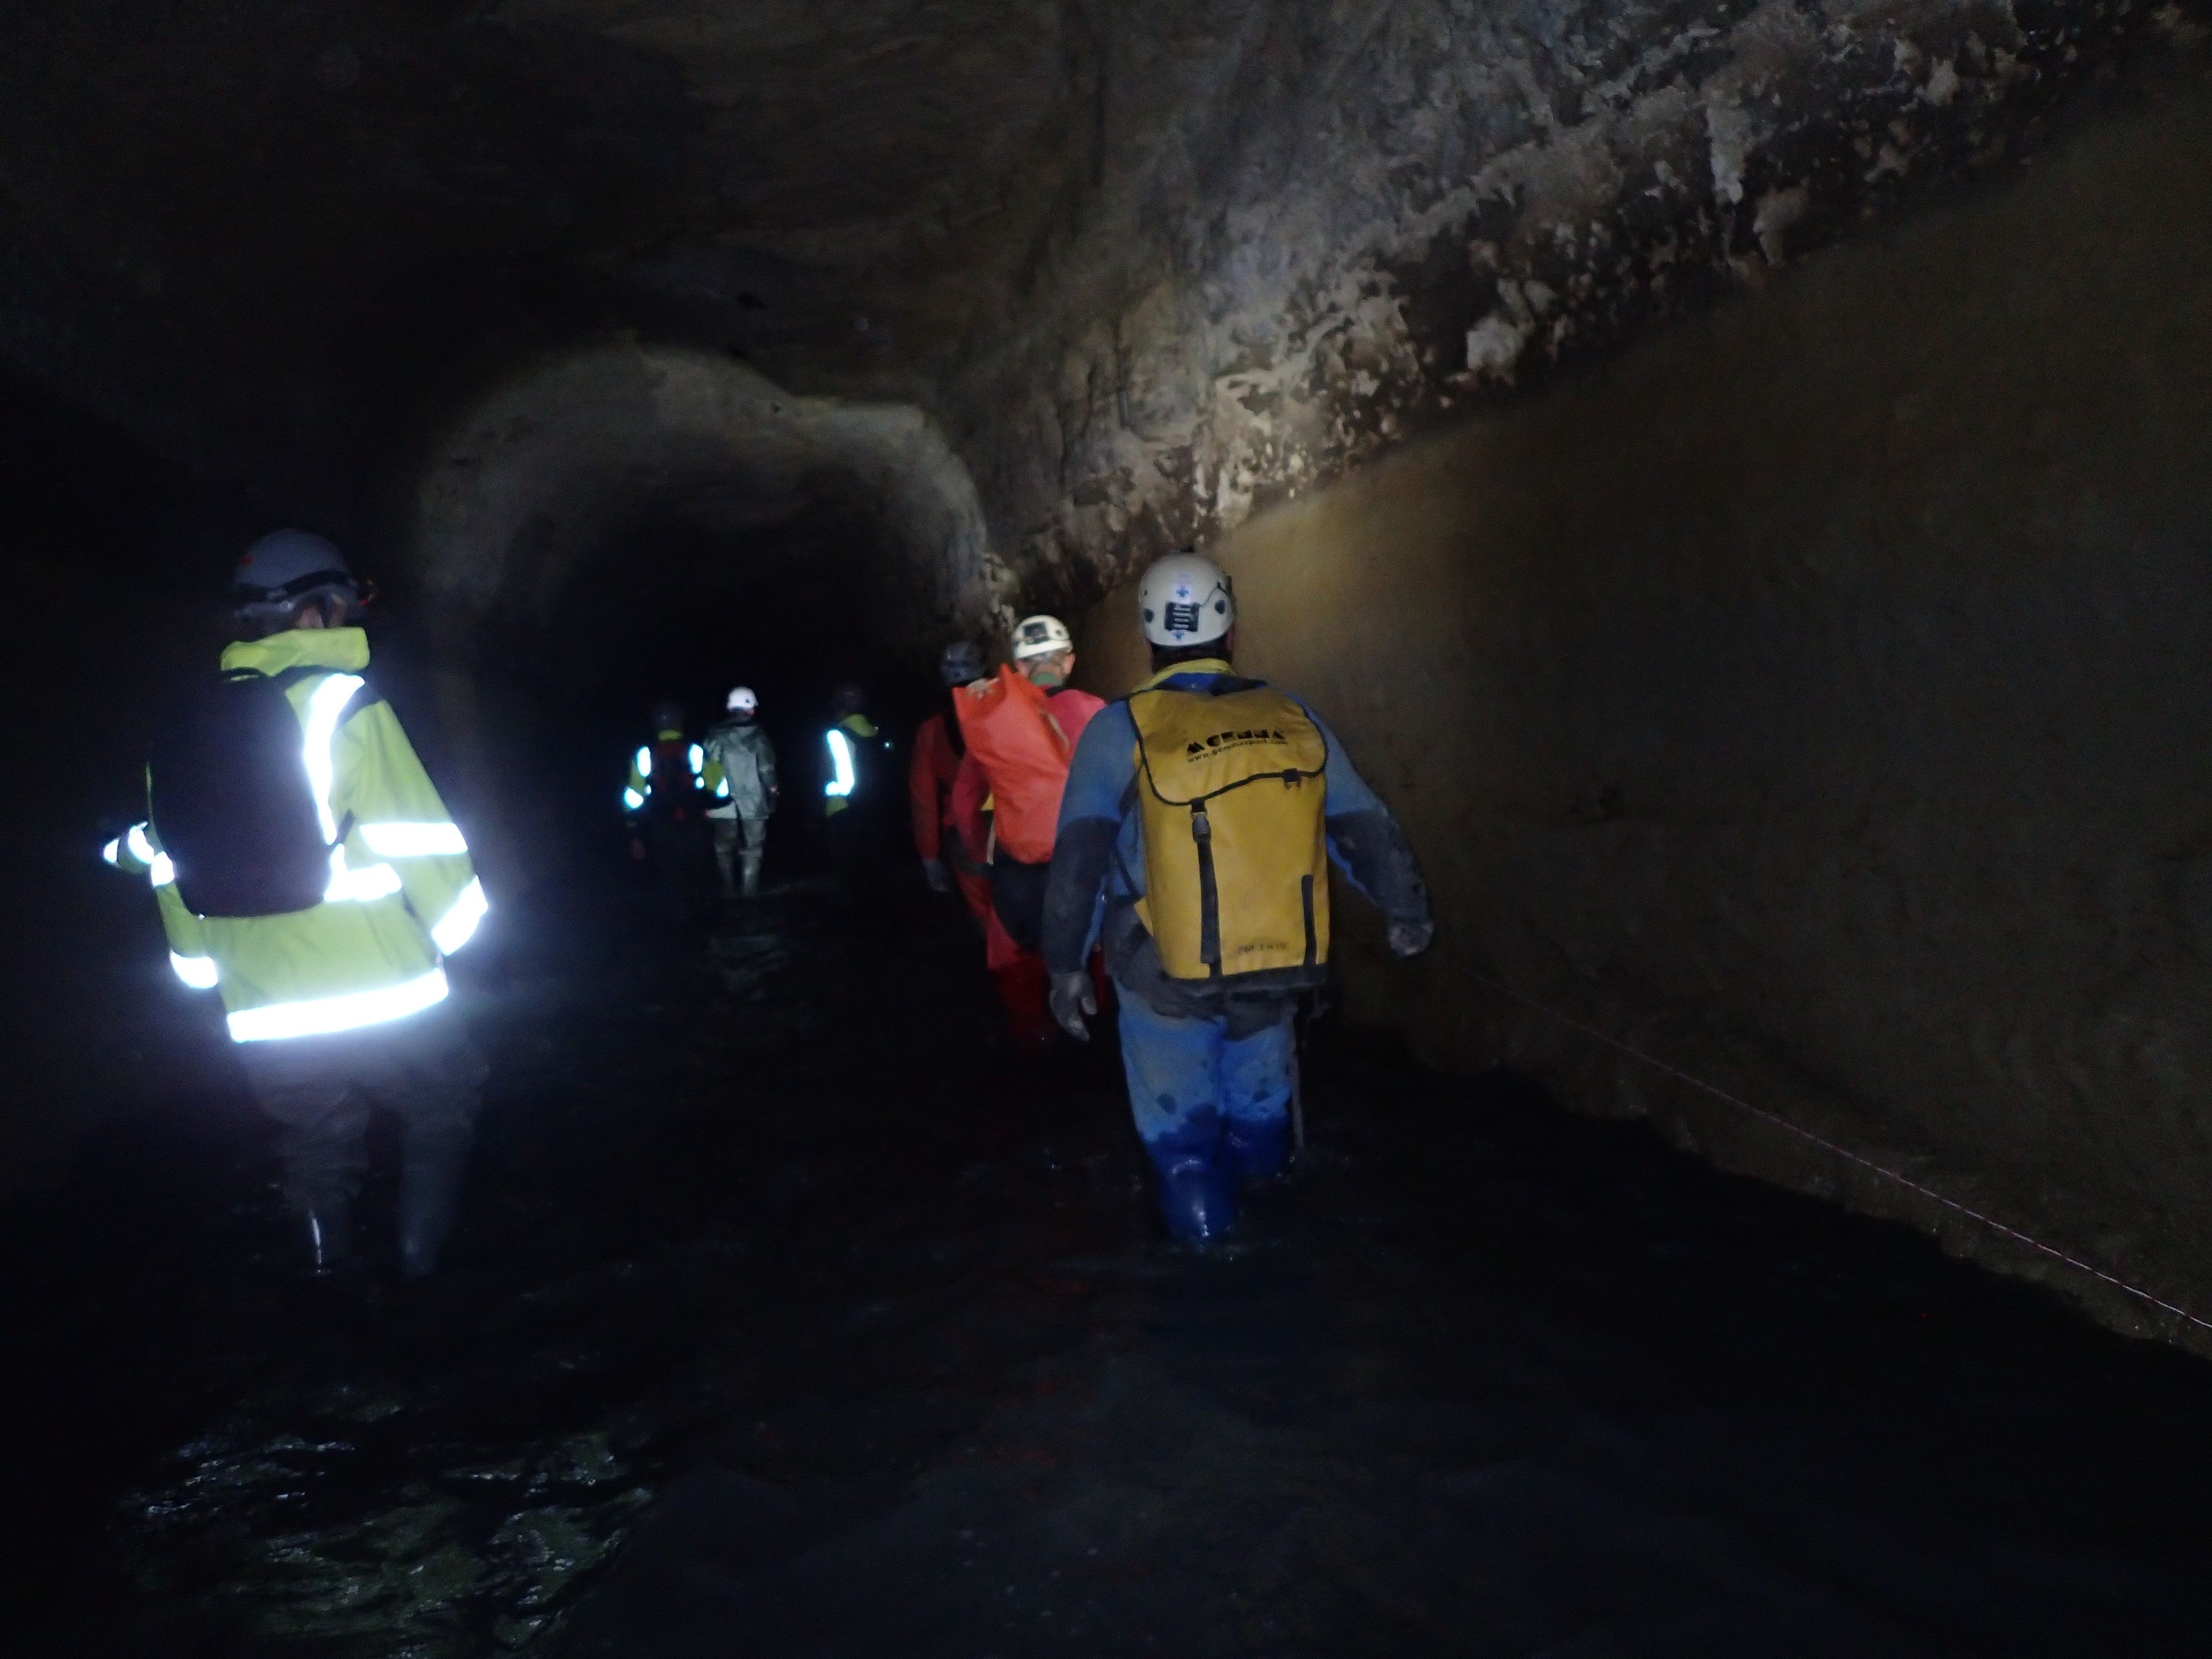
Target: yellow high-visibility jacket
(402,894)
(637,793)
(848,743)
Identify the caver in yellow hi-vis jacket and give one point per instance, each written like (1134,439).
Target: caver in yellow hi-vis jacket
(403,893)
(850,746)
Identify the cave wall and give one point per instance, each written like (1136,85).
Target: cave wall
(1317,232)
(1148,264)
(1815,698)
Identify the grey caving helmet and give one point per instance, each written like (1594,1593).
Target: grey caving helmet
(961,663)
(287,568)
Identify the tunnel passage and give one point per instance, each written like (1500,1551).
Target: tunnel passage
(558,456)
(1788,673)
(623,524)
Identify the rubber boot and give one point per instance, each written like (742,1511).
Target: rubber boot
(429,1205)
(1197,1200)
(1256,1148)
(1026,992)
(1197,1195)
(329,1228)
(752,864)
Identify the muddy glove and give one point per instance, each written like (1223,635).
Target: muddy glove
(1410,939)
(932,871)
(1072,999)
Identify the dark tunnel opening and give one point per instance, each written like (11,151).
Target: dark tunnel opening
(1712,513)
(671,612)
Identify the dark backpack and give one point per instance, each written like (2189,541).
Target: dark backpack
(232,803)
(676,793)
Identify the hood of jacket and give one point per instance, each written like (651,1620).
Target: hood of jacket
(342,650)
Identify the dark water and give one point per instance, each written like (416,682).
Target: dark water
(789,1319)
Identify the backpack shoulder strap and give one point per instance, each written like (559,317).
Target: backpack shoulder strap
(1128,806)
(366,695)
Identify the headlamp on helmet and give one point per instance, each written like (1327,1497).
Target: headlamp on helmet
(1185,599)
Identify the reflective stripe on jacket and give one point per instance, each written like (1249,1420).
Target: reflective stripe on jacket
(402,892)
(848,752)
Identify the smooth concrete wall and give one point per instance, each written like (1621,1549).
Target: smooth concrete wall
(1818,702)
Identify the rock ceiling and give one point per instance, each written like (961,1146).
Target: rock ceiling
(1144,263)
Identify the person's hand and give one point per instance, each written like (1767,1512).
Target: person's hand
(1410,939)
(1072,999)
(934,873)
(637,849)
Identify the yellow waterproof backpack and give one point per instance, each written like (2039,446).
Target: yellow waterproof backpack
(1236,859)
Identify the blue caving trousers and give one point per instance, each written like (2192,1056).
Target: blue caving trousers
(1213,1110)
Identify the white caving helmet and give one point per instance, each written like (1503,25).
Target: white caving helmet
(743,700)
(1185,599)
(1041,636)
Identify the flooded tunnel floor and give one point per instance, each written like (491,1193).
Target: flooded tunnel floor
(790,1317)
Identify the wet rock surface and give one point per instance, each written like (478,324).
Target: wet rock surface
(788,1319)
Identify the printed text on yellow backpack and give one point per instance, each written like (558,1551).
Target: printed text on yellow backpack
(1235,860)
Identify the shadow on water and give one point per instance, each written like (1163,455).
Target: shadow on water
(790,1317)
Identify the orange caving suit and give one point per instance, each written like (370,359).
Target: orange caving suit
(937,834)
(1019,975)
